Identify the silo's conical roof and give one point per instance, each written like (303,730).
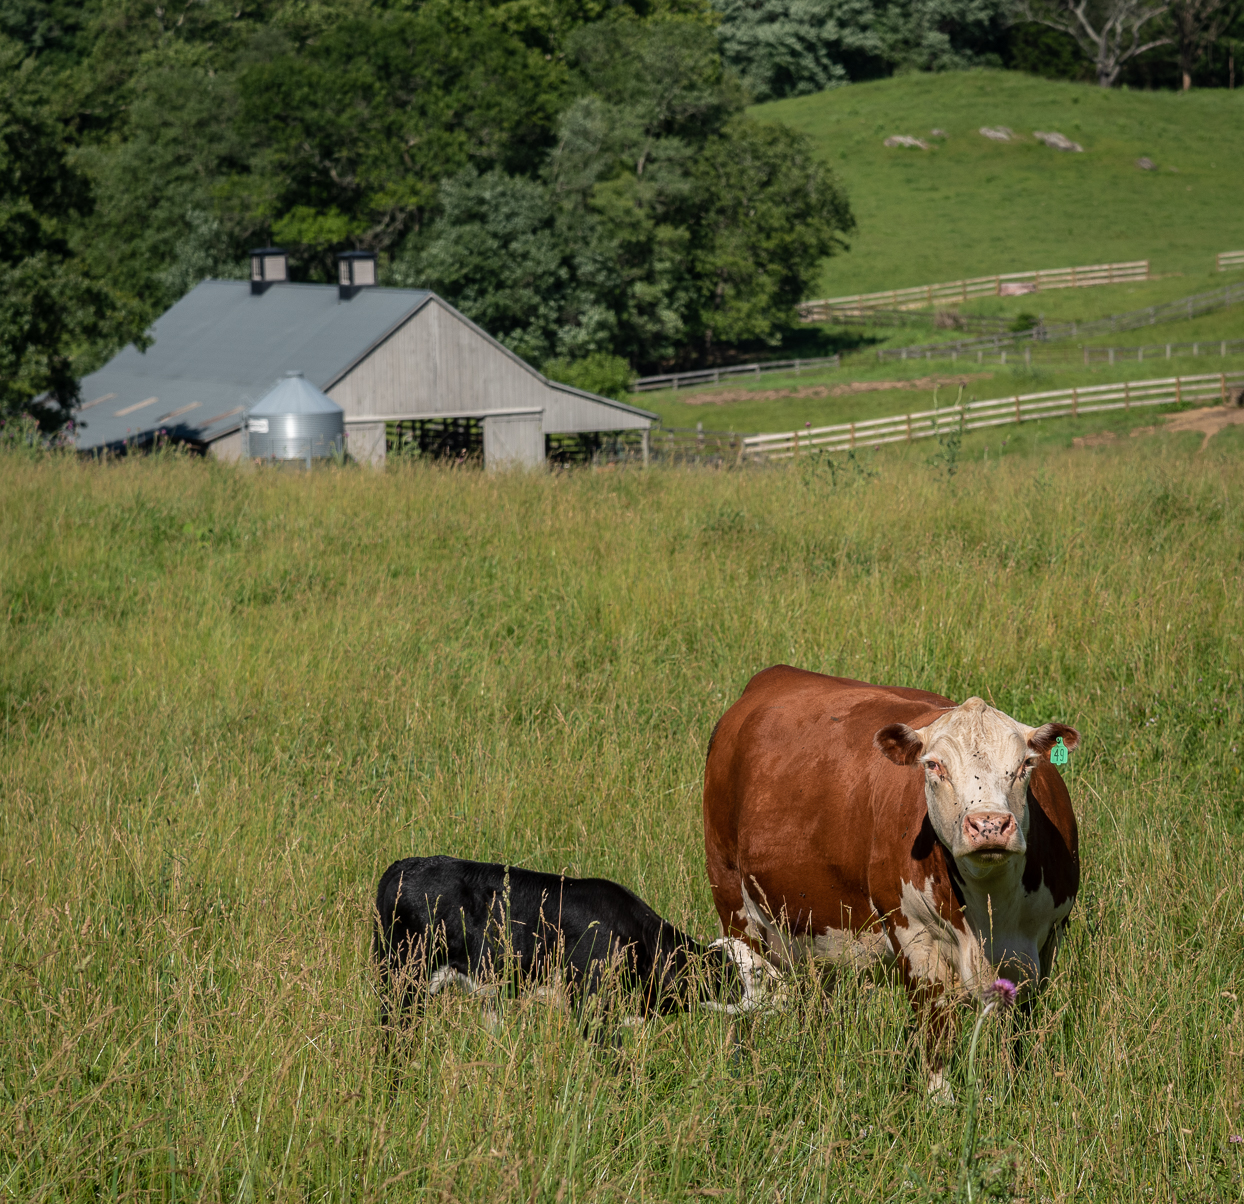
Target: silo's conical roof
(295,395)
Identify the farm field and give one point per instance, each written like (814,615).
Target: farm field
(230,699)
(971,206)
(857,391)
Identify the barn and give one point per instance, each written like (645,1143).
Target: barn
(385,355)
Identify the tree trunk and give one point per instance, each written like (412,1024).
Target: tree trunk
(1187,81)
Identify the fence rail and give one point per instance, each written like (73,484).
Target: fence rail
(1230,259)
(1151,315)
(1005,284)
(998,411)
(712,376)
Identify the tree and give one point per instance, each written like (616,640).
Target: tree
(55,319)
(351,132)
(771,213)
(794,47)
(1110,32)
(663,223)
(1198,24)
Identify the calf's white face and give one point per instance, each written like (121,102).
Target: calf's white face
(976,762)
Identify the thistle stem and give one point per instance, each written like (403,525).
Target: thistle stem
(968,1154)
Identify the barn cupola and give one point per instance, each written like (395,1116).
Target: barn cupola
(355,270)
(269,266)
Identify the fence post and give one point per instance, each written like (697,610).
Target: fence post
(853,436)
(1194,349)
(1223,383)
(1178,391)
(962,417)
(1086,356)
(1075,403)
(1017,417)
(1168,351)
(1127,397)
(645,439)
(909,416)
(1111,354)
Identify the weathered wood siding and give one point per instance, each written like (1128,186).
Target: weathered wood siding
(437,363)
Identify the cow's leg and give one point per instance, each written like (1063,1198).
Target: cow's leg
(933,1009)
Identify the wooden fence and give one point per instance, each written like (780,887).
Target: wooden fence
(1048,332)
(712,376)
(1230,259)
(977,286)
(970,416)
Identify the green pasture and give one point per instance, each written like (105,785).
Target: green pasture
(229,699)
(744,405)
(971,207)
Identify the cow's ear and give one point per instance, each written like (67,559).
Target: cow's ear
(1042,739)
(899,743)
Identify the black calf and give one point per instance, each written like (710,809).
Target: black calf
(441,918)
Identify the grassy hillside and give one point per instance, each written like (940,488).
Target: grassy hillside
(784,401)
(970,206)
(228,700)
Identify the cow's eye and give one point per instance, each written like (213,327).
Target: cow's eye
(934,767)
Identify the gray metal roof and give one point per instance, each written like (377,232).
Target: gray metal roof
(295,395)
(221,348)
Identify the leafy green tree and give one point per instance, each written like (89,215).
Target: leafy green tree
(664,221)
(793,47)
(497,253)
(351,132)
(771,213)
(608,375)
(54,317)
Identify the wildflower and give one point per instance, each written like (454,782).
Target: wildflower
(1235,1139)
(1002,991)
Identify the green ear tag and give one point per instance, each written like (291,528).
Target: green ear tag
(1058,754)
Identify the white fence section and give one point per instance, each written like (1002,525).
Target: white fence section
(978,286)
(712,376)
(1230,259)
(1023,407)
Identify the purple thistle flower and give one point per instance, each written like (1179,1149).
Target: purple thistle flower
(1001,991)
(1235,1138)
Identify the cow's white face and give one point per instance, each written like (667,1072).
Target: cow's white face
(976,763)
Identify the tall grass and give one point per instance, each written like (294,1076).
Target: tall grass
(229,700)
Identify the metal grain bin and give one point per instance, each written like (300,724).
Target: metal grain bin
(295,421)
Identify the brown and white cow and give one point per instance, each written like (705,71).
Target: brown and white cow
(865,823)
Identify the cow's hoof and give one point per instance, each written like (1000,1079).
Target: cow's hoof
(940,1093)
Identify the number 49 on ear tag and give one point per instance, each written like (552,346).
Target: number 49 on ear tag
(1058,754)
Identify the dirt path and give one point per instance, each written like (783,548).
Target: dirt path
(724,396)
(1208,422)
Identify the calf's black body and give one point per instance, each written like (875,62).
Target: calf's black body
(482,920)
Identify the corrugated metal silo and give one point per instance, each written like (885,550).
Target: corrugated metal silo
(295,421)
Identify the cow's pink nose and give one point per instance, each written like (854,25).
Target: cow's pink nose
(987,828)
